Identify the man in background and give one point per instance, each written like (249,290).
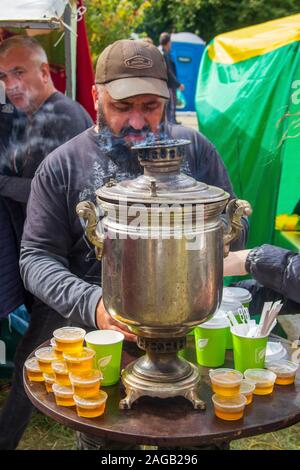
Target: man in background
(46,119)
(173,83)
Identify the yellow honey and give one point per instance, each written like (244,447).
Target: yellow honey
(69,340)
(265,389)
(63,395)
(49,381)
(264,380)
(82,363)
(61,373)
(285,371)
(91,407)
(45,357)
(247,389)
(87,385)
(33,370)
(229,408)
(226,382)
(58,353)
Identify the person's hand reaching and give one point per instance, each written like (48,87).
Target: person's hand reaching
(106,322)
(234,263)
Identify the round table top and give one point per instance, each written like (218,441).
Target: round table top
(173,422)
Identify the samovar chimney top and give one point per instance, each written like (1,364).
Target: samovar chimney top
(161,155)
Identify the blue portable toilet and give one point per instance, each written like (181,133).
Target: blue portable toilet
(186,51)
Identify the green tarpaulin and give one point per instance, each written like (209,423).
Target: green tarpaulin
(247,100)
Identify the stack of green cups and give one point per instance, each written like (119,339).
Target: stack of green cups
(210,339)
(225,307)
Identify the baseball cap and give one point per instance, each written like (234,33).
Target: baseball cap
(130,67)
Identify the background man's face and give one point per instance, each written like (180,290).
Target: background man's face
(133,117)
(25,78)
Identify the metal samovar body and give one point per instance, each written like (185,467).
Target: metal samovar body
(161,243)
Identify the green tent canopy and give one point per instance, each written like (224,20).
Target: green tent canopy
(248,105)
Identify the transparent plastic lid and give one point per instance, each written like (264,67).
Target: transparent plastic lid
(215,323)
(260,376)
(85,354)
(46,354)
(104,337)
(62,390)
(32,364)
(283,368)
(99,399)
(86,378)
(225,376)
(60,367)
(230,403)
(49,378)
(247,387)
(69,334)
(236,294)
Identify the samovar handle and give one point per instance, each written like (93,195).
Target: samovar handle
(235,210)
(86,210)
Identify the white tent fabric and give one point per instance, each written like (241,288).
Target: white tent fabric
(187,37)
(31,10)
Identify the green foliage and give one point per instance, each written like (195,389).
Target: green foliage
(110,20)
(207,18)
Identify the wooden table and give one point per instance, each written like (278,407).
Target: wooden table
(174,422)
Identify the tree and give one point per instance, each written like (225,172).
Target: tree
(109,20)
(207,18)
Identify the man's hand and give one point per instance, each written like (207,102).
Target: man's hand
(234,264)
(106,322)
(181,87)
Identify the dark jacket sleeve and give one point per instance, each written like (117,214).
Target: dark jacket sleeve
(15,188)
(277,269)
(204,163)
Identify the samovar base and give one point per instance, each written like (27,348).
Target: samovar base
(136,387)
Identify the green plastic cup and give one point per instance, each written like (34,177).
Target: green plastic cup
(189,352)
(107,345)
(210,339)
(248,353)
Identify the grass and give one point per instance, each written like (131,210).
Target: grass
(43,433)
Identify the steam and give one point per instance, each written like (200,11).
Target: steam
(29,140)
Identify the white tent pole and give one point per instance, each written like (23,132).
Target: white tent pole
(70,18)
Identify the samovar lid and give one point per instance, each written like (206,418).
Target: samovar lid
(162,181)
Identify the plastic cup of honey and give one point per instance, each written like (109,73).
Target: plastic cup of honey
(264,380)
(61,373)
(45,357)
(81,363)
(285,371)
(229,408)
(49,381)
(69,339)
(226,382)
(33,370)
(91,407)
(87,385)
(58,353)
(63,395)
(247,389)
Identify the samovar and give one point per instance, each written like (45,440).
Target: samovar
(161,242)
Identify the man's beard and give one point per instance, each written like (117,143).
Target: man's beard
(117,147)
